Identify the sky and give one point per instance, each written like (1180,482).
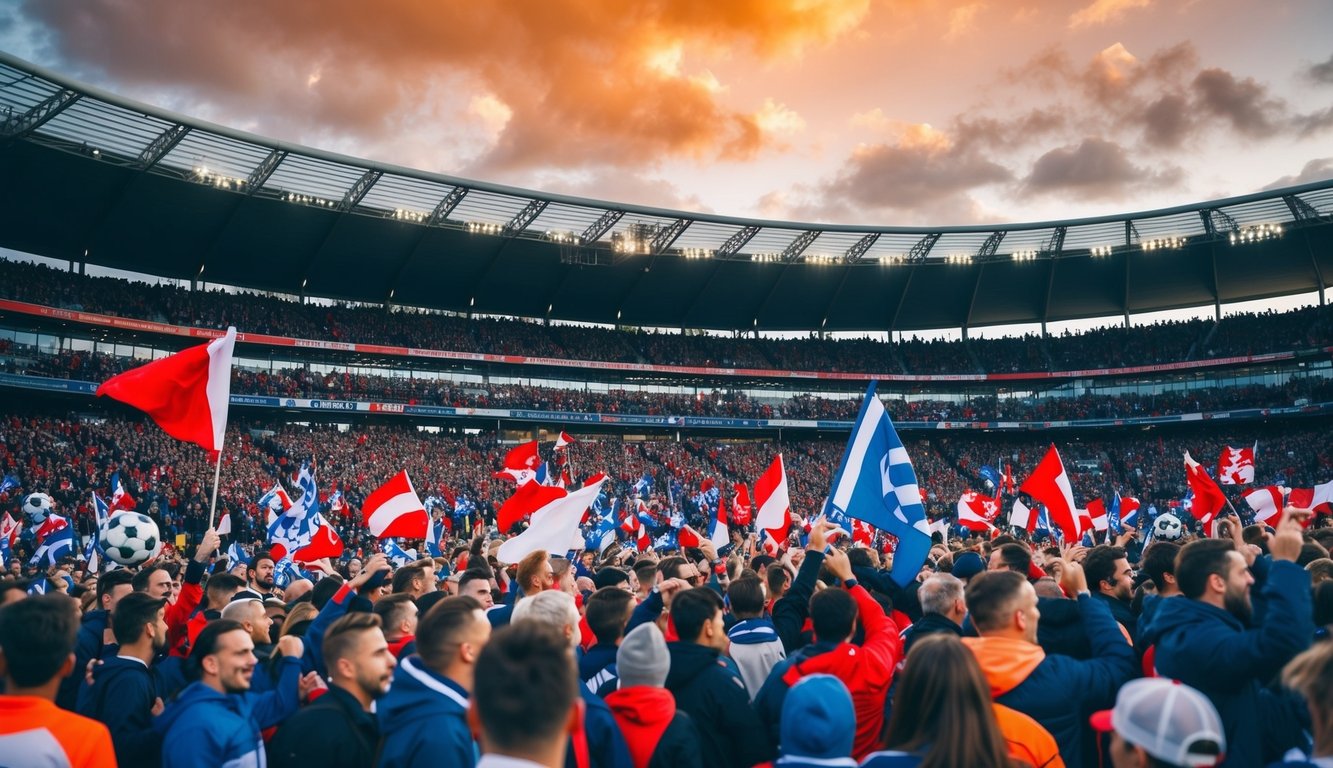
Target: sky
(884,112)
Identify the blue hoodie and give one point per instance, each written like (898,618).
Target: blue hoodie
(206,729)
(423,720)
(818,724)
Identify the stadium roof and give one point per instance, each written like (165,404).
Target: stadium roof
(90,176)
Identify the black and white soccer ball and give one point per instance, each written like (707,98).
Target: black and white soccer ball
(37,507)
(1168,527)
(130,538)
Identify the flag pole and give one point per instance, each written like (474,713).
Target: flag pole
(217,471)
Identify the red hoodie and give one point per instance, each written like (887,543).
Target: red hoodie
(866,670)
(643,714)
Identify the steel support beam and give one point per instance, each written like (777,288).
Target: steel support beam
(598,229)
(359,190)
(160,146)
(799,246)
(523,218)
(921,250)
(262,172)
(860,248)
(1056,243)
(992,244)
(737,241)
(18,126)
(1301,211)
(666,236)
(446,206)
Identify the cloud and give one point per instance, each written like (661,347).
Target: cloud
(962,20)
(578,85)
(1104,11)
(1322,72)
(1315,170)
(1095,169)
(1244,104)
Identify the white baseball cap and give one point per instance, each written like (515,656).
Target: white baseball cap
(1169,720)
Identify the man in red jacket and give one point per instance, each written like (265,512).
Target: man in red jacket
(155,580)
(866,670)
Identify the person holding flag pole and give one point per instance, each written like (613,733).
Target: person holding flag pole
(187,394)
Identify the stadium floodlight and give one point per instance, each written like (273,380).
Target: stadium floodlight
(889,259)
(1101,250)
(1028,255)
(483,228)
(403,214)
(1164,243)
(563,236)
(697,253)
(958,258)
(205,175)
(1256,233)
(820,259)
(765,257)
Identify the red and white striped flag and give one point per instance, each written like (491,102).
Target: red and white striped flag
(1266,503)
(977,512)
(563,440)
(1049,484)
(771,499)
(395,511)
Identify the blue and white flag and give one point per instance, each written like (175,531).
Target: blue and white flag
(398,556)
(296,527)
(235,555)
(434,531)
(101,510)
(1044,524)
(285,572)
(603,532)
(876,483)
(1113,515)
(10,481)
(991,477)
(90,554)
(644,485)
(55,539)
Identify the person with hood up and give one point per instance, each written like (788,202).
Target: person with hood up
(1056,691)
(658,735)
(1205,638)
(423,717)
(216,720)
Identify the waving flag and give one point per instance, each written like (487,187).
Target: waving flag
(718,531)
(771,500)
(398,556)
(1129,511)
(555,526)
(740,505)
(1208,499)
(563,440)
(1266,502)
(1097,515)
(1318,498)
(433,532)
(10,530)
(941,527)
(876,483)
(644,486)
(604,529)
(526,499)
(520,463)
(977,512)
(325,543)
(1021,517)
(55,539)
(90,553)
(101,510)
(236,555)
(285,572)
(224,524)
(120,498)
(275,502)
(1236,465)
(992,478)
(10,481)
(395,510)
(1049,484)
(187,393)
(1044,525)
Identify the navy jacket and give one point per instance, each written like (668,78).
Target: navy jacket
(597,667)
(606,744)
(206,729)
(333,732)
(122,697)
(423,720)
(715,698)
(1210,649)
(87,646)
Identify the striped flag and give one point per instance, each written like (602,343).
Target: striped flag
(395,510)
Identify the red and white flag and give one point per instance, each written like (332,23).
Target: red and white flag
(1097,515)
(1266,503)
(771,499)
(521,463)
(224,524)
(977,512)
(1208,497)
(395,511)
(326,543)
(187,393)
(1319,498)
(555,526)
(1021,517)
(563,440)
(1049,484)
(10,529)
(1236,465)
(740,505)
(527,499)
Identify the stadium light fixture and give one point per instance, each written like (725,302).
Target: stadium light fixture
(482,228)
(1101,250)
(1256,233)
(204,175)
(765,258)
(697,253)
(958,258)
(819,259)
(403,214)
(1022,256)
(563,236)
(635,239)
(1164,243)
(893,258)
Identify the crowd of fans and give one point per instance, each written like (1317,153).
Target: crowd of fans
(297,382)
(1162,342)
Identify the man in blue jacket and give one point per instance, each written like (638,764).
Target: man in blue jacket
(124,694)
(423,717)
(1206,640)
(111,587)
(216,720)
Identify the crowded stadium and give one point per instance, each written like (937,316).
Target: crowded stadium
(310,459)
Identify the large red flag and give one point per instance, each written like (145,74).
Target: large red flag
(1236,465)
(1049,484)
(1208,498)
(529,498)
(521,463)
(740,505)
(771,500)
(394,510)
(977,512)
(186,393)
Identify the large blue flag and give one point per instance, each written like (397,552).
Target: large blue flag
(398,556)
(10,481)
(876,483)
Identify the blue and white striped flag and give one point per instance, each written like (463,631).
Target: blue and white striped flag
(101,510)
(10,481)
(398,556)
(285,572)
(876,483)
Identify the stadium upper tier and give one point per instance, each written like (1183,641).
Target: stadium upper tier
(90,176)
(99,303)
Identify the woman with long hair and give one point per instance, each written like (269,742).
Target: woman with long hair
(943,716)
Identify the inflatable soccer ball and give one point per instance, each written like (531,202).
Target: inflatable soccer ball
(130,538)
(37,506)
(1168,527)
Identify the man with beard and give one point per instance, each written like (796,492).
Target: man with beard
(124,693)
(340,729)
(1209,641)
(259,579)
(1112,581)
(251,615)
(216,720)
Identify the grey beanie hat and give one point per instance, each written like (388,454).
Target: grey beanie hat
(642,658)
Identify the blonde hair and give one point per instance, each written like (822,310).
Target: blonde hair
(551,607)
